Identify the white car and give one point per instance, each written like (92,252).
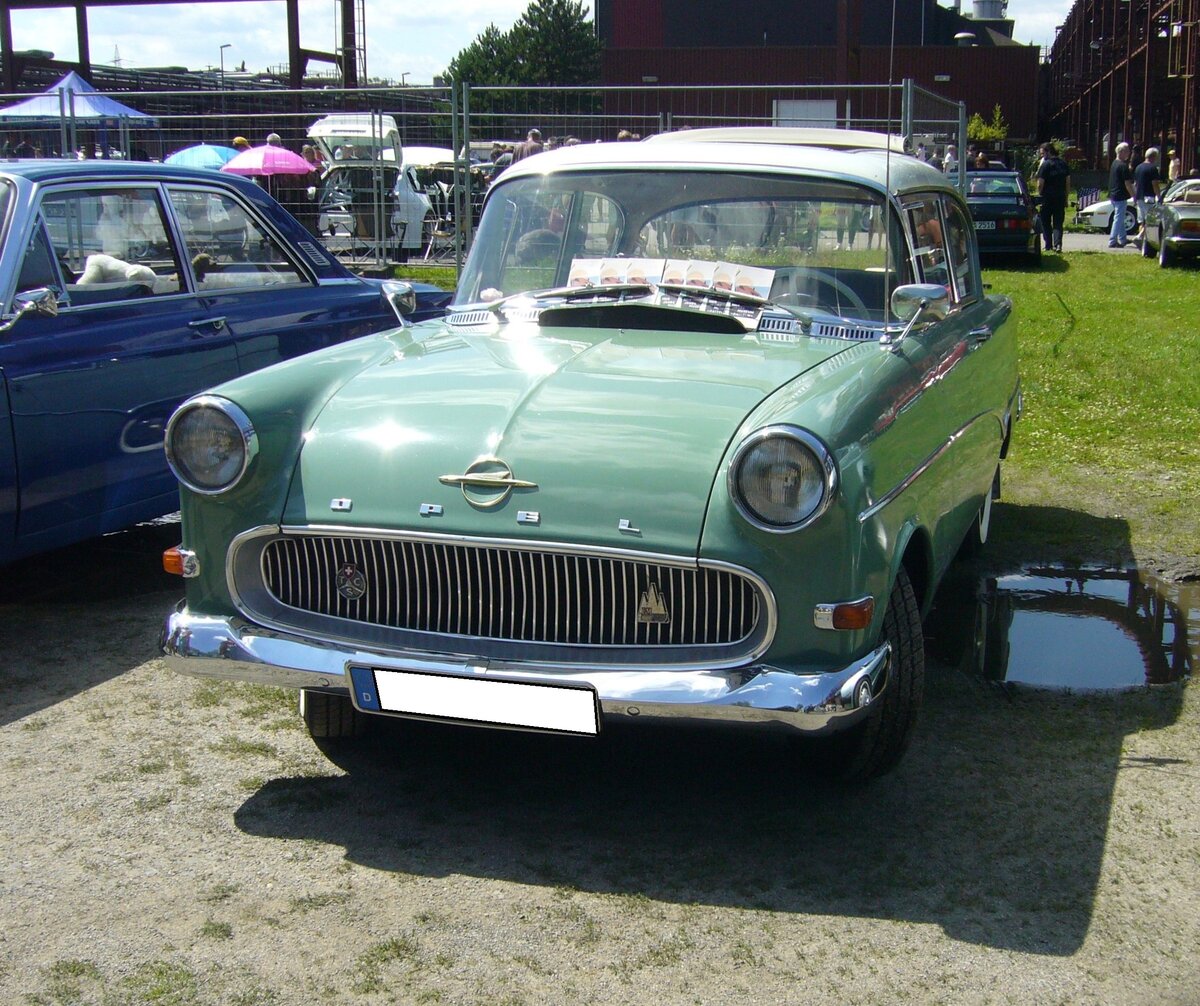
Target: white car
(1098,216)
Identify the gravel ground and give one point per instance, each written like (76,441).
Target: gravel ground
(172,841)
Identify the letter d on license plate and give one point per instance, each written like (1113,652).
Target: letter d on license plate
(516,704)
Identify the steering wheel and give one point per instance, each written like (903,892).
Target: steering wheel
(841,292)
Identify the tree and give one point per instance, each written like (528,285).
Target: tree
(988,132)
(552,44)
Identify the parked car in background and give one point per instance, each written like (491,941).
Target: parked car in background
(1097,216)
(676,452)
(1173,226)
(1006,222)
(368,198)
(126,288)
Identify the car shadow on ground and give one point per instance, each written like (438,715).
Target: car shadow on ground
(993,827)
(76,617)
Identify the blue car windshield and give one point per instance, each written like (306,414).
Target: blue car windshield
(790,239)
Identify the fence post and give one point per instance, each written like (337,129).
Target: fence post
(462,172)
(962,146)
(906,112)
(63,139)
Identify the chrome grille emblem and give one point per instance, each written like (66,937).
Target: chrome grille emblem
(652,610)
(486,483)
(351,583)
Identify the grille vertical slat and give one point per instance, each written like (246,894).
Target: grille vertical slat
(511,593)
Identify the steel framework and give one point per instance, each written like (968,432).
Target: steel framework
(1126,70)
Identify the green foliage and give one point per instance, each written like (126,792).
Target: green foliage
(552,44)
(988,132)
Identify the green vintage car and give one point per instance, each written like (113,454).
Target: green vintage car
(706,425)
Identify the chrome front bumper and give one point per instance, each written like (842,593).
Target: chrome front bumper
(817,702)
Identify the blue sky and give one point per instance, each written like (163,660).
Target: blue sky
(402,38)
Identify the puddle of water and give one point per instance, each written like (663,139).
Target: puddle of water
(1057,627)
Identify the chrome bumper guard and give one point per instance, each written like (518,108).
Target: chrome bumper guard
(814,702)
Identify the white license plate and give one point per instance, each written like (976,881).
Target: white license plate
(517,704)
(985,225)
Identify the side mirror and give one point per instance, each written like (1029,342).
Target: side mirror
(41,301)
(922,301)
(402,297)
(916,303)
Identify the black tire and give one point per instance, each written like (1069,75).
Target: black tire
(875,746)
(1035,256)
(332,721)
(1166,258)
(1131,220)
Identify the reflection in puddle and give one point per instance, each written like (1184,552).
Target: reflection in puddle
(1057,627)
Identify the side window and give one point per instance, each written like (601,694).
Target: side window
(958,247)
(38,268)
(111,244)
(929,240)
(226,246)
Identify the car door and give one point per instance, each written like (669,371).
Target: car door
(959,378)
(91,389)
(255,280)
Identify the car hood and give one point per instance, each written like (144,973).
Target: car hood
(604,427)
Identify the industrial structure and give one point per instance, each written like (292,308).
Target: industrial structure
(1126,70)
(969,57)
(350,57)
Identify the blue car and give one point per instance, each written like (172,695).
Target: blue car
(126,288)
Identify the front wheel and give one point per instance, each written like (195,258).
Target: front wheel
(875,746)
(332,721)
(1165,256)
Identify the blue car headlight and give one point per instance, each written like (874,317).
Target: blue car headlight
(210,443)
(782,478)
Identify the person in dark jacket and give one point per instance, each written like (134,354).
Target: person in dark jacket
(1053,184)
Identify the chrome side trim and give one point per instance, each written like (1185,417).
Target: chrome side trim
(905,483)
(808,700)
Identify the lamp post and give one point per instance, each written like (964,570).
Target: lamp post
(224,121)
(223,48)
(404,78)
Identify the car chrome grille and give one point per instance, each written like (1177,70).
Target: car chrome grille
(498,592)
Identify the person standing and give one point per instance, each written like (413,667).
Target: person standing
(1120,189)
(1174,167)
(532,145)
(1053,184)
(1147,183)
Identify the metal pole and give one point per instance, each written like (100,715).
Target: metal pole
(454,131)
(962,146)
(906,112)
(64,140)
(462,174)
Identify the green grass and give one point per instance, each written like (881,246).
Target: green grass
(1112,399)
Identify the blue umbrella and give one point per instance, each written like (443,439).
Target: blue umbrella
(203,155)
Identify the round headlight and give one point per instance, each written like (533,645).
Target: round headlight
(782,478)
(209,444)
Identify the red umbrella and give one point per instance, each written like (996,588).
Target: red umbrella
(268,160)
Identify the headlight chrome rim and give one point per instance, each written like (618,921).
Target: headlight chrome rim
(241,423)
(825,463)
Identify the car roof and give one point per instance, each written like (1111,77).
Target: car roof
(47,170)
(836,139)
(880,169)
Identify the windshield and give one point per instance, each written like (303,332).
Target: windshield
(991,185)
(799,242)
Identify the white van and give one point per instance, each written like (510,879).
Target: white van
(365,179)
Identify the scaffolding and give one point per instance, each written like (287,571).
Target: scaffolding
(1126,70)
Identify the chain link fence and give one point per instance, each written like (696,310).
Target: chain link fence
(400,173)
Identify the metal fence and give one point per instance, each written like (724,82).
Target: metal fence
(369,216)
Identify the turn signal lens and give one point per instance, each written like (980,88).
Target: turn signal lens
(850,615)
(181,561)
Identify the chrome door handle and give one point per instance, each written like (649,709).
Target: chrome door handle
(213,323)
(981,334)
